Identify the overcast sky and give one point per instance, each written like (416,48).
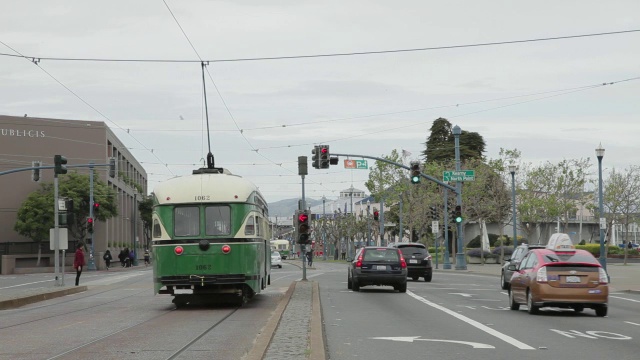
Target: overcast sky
(365,104)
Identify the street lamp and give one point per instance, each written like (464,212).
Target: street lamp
(512,170)
(600,155)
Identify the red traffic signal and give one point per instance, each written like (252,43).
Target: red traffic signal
(303,217)
(324,150)
(376,215)
(90,225)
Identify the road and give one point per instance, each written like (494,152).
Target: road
(465,316)
(458,315)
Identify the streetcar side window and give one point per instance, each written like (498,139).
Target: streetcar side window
(218,220)
(157,232)
(187,221)
(250,229)
(258,227)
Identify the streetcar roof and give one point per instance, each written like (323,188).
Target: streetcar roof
(204,188)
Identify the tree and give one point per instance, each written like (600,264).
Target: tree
(36,214)
(440,145)
(146,208)
(622,198)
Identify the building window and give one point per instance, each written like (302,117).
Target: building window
(218,220)
(187,221)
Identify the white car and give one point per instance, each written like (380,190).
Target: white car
(276,260)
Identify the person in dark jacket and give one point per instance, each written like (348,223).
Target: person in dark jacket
(122,257)
(78,262)
(107,258)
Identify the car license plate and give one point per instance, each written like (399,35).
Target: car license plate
(413,261)
(381,267)
(573,279)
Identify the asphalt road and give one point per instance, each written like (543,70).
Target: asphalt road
(465,316)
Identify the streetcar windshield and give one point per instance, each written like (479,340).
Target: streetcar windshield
(187,221)
(218,220)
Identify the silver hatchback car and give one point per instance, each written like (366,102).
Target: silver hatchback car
(515,259)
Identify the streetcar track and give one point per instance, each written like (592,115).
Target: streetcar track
(182,349)
(109,335)
(75,309)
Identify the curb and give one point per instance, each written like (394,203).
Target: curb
(266,334)
(316,337)
(18,302)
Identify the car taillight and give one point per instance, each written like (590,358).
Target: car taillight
(226,249)
(541,276)
(403,263)
(428,257)
(178,250)
(603,278)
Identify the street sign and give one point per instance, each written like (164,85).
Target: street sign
(462,175)
(434,226)
(355,164)
(62,205)
(63,238)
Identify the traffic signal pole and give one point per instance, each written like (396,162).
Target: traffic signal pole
(302,171)
(461,261)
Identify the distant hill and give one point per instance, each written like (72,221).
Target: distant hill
(287,207)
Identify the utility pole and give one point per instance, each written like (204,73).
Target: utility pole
(324,230)
(91,265)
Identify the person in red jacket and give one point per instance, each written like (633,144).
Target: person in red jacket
(78,262)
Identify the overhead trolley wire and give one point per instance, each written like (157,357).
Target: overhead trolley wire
(355,53)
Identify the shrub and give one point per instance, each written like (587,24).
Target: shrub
(508,250)
(476,242)
(582,242)
(476,253)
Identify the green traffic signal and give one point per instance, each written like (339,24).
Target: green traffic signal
(415,172)
(415,179)
(459,219)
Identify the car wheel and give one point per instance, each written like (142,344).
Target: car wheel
(503,281)
(601,311)
(402,288)
(578,308)
(415,278)
(532,308)
(428,277)
(513,305)
(349,285)
(354,285)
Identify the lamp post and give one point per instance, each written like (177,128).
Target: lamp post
(603,224)
(134,232)
(324,230)
(512,170)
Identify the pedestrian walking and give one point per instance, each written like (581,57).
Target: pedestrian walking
(310,258)
(107,258)
(147,258)
(122,257)
(132,256)
(78,262)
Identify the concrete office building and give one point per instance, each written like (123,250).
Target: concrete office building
(24,140)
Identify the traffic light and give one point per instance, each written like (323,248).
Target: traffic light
(315,159)
(415,172)
(96,207)
(304,227)
(59,162)
(35,175)
(458,214)
(90,225)
(434,214)
(112,167)
(324,156)
(376,215)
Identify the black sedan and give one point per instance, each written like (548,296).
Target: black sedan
(381,266)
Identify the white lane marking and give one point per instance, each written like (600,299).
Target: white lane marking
(475,345)
(632,323)
(621,298)
(506,338)
(35,282)
(461,294)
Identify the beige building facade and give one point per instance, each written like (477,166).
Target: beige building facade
(24,140)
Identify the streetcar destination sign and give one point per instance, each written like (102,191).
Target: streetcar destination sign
(462,175)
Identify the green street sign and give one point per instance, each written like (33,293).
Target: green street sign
(462,175)
(361,164)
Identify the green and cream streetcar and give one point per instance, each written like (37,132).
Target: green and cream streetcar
(210,238)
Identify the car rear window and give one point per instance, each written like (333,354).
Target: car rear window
(381,255)
(413,250)
(570,257)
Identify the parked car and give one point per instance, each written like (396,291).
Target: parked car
(561,276)
(418,260)
(381,266)
(516,257)
(276,260)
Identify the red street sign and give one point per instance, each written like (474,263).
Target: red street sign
(349,164)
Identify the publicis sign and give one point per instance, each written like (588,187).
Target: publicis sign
(22,133)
